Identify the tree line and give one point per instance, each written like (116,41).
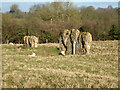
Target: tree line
(48,21)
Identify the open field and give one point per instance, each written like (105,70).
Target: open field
(48,69)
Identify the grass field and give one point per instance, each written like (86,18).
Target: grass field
(48,69)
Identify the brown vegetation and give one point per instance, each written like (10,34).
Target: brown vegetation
(48,69)
(48,21)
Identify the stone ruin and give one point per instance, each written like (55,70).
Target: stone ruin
(30,41)
(75,42)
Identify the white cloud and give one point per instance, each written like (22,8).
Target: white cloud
(60,0)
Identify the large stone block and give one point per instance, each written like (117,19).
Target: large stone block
(30,41)
(75,42)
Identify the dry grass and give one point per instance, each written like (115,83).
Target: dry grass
(50,70)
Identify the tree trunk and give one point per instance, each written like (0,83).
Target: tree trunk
(7,41)
(46,41)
